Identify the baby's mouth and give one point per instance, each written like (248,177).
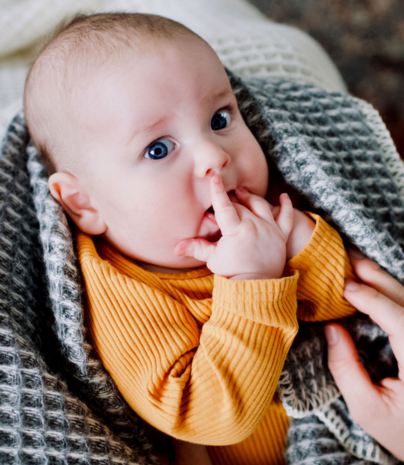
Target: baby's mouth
(210,216)
(232,196)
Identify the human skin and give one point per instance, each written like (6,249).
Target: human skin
(142,206)
(249,228)
(145,207)
(378,408)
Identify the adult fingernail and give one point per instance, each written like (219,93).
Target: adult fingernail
(356,253)
(351,285)
(331,335)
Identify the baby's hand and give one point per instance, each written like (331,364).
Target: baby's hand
(253,244)
(303,227)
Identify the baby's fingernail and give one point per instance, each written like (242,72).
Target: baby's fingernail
(356,253)
(242,190)
(351,285)
(331,334)
(216,179)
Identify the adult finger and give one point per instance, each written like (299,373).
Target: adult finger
(256,204)
(350,375)
(371,273)
(198,248)
(386,313)
(226,215)
(285,217)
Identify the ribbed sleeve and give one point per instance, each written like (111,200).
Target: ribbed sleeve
(323,266)
(211,383)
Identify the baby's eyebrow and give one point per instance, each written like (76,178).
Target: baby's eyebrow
(161,121)
(151,127)
(220,95)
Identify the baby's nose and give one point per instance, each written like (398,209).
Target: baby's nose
(211,160)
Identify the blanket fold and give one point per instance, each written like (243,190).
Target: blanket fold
(57,403)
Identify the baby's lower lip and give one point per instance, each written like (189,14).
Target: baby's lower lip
(214,237)
(211,217)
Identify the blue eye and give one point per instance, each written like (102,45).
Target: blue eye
(220,120)
(159,149)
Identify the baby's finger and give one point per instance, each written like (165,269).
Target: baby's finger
(198,248)
(275,211)
(370,272)
(350,375)
(256,204)
(386,313)
(226,215)
(285,217)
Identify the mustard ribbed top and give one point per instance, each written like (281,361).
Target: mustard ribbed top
(199,356)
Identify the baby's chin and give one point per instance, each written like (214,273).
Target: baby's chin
(167,269)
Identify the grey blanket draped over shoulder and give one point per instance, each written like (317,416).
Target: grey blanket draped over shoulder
(57,403)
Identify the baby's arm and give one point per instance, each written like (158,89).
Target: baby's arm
(210,384)
(323,265)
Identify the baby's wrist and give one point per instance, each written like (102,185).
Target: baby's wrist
(250,276)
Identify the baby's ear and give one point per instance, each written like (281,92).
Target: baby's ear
(74,198)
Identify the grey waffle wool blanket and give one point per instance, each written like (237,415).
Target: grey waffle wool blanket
(57,403)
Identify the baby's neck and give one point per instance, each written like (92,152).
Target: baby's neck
(162,269)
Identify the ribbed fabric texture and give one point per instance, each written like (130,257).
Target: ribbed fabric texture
(199,356)
(265,446)
(323,266)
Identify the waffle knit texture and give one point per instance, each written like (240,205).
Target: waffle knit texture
(58,404)
(245,40)
(199,356)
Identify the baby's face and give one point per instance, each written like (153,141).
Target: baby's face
(161,126)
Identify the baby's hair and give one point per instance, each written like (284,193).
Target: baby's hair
(81,46)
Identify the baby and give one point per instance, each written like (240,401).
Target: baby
(193,280)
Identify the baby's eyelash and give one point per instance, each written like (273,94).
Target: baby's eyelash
(229,108)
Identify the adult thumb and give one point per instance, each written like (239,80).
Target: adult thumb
(349,374)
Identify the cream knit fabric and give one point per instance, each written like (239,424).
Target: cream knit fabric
(245,40)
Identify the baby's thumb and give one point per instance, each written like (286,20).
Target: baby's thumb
(201,249)
(350,375)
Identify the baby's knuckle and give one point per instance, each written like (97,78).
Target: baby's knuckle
(249,227)
(199,249)
(226,207)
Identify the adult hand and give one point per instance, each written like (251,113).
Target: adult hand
(377,407)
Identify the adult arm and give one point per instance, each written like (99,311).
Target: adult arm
(379,407)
